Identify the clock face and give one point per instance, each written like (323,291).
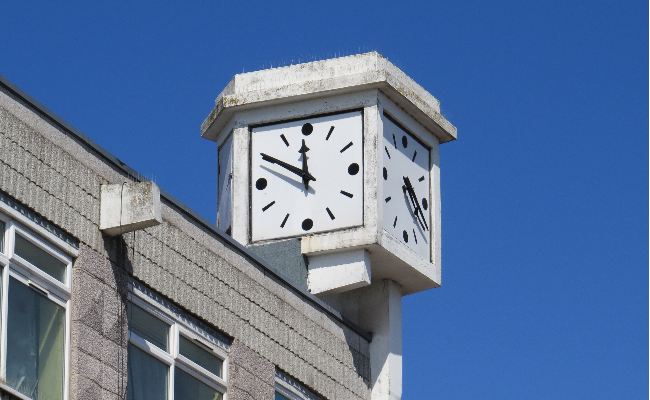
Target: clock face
(406,189)
(307,176)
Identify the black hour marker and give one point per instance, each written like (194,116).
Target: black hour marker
(405,141)
(260,184)
(347,146)
(307,224)
(387,199)
(284,139)
(405,236)
(425,204)
(421,178)
(266,207)
(329,133)
(353,169)
(386,148)
(307,129)
(414,154)
(394,141)
(415,237)
(395,222)
(385,173)
(343,192)
(284,221)
(330,213)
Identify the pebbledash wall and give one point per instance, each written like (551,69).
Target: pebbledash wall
(270,332)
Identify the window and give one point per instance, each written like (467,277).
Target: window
(35,297)
(170,357)
(287,388)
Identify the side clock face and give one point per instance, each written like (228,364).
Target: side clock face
(307,176)
(406,189)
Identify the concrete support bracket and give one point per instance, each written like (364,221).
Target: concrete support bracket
(339,272)
(126,207)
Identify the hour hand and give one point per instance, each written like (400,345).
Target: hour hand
(295,170)
(415,202)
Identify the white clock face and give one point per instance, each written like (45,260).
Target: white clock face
(294,195)
(406,189)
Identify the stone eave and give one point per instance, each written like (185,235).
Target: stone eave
(404,92)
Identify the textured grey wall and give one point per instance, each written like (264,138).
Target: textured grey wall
(285,256)
(178,259)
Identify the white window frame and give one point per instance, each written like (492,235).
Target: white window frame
(292,391)
(30,275)
(180,326)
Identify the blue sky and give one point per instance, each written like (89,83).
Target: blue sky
(545,265)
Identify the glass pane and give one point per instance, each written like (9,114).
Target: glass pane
(148,376)
(44,261)
(35,338)
(278,396)
(148,327)
(2,237)
(200,356)
(188,387)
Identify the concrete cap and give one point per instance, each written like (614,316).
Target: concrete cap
(325,78)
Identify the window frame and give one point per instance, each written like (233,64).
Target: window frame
(33,277)
(173,359)
(292,390)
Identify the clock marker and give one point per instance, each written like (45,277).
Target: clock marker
(284,139)
(405,236)
(395,222)
(307,129)
(353,169)
(307,224)
(387,199)
(385,173)
(414,154)
(394,141)
(329,133)
(405,141)
(284,221)
(266,207)
(347,146)
(343,192)
(386,148)
(260,184)
(425,203)
(330,213)
(415,237)
(421,178)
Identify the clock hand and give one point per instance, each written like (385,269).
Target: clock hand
(415,202)
(305,170)
(304,175)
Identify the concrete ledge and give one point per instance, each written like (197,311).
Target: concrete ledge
(126,207)
(339,272)
(345,74)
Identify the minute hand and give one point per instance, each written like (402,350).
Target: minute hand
(290,167)
(416,203)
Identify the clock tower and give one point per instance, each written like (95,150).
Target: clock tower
(342,155)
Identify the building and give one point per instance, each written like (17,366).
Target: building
(167,306)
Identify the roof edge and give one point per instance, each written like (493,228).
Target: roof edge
(175,203)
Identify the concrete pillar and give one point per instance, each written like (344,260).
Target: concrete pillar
(378,309)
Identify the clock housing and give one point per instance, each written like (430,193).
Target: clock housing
(256,109)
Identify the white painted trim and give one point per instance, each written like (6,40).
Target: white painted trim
(38,242)
(28,274)
(15,393)
(10,212)
(179,325)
